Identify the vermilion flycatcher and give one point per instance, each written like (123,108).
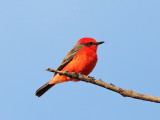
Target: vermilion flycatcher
(81,59)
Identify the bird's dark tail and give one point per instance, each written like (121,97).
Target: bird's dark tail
(43,89)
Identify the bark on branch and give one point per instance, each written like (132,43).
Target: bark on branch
(123,92)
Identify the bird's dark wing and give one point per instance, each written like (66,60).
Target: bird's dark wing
(72,53)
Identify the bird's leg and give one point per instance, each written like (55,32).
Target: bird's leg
(75,75)
(92,79)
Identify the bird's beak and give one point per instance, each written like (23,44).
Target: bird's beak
(98,43)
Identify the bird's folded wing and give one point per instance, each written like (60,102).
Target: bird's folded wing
(71,54)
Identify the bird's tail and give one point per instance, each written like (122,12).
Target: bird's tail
(43,89)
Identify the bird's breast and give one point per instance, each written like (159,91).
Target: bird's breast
(83,62)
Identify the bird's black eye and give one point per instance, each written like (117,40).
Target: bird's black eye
(91,43)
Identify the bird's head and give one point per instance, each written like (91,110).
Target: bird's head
(89,42)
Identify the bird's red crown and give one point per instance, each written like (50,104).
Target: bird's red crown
(86,40)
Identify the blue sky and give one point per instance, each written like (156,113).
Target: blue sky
(35,35)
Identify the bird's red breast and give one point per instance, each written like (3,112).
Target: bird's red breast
(83,62)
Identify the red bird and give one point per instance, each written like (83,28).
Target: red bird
(81,59)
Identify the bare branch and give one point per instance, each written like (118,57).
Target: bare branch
(123,92)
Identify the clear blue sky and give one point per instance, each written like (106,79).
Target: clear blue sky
(37,34)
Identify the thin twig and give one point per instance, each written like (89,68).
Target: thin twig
(123,92)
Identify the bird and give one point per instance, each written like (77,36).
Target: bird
(82,58)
